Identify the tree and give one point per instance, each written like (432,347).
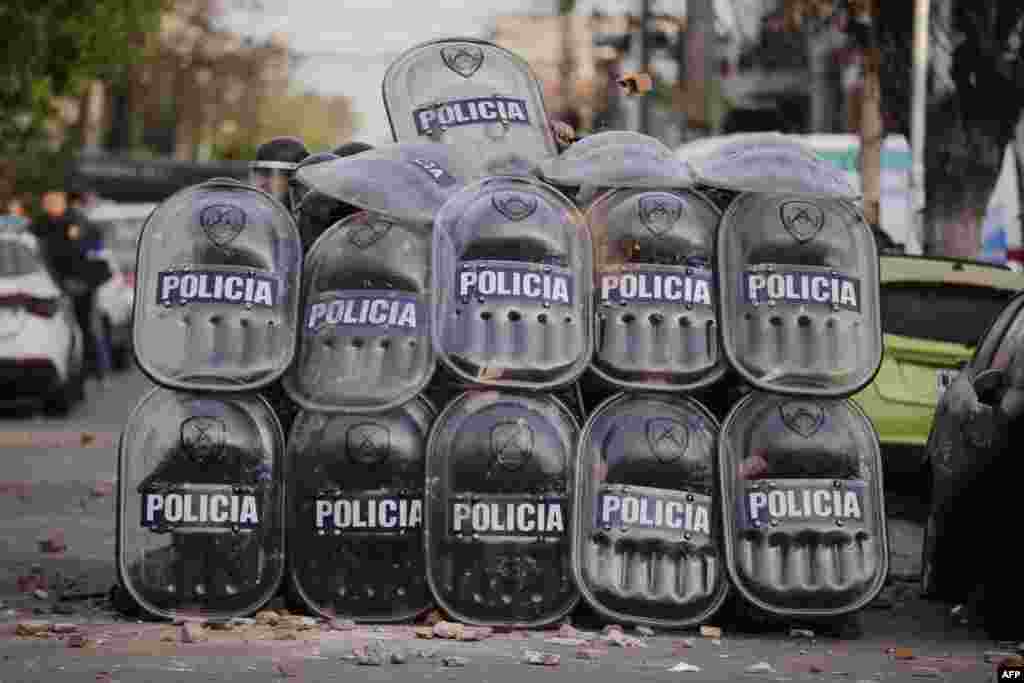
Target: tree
(975,100)
(49,49)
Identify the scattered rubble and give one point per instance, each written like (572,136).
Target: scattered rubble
(541,658)
(40,594)
(454,661)
(399,657)
(192,632)
(31,628)
(63,628)
(683,666)
(801,633)
(645,631)
(341,625)
(685,643)
(760,667)
(711,632)
(903,653)
(426,632)
(77,640)
(448,630)
(590,653)
(568,631)
(926,672)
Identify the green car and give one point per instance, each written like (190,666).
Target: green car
(934,311)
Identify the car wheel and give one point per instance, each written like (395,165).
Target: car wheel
(60,403)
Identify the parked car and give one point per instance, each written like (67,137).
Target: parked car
(40,341)
(934,311)
(121,225)
(976,469)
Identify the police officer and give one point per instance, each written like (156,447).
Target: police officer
(274,166)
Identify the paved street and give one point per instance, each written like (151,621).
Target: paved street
(56,489)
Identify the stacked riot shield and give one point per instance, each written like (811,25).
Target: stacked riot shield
(357,448)
(200,528)
(799,463)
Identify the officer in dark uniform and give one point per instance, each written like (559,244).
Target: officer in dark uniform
(274,166)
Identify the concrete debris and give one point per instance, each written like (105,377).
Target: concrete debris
(710,632)
(63,628)
(31,628)
(54,543)
(622,640)
(285,635)
(449,630)
(426,654)
(685,643)
(925,672)
(801,633)
(370,658)
(454,661)
(903,653)
(645,631)
(192,632)
(267,617)
(40,594)
(589,653)
(760,667)
(996,656)
(475,634)
(434,617)
(77,640)
(243,621)
(683,666)
(341,625)
(220,625)
(541,658)
(426,632)
(399,657)
(716,641)
(568,642)
(612,627)
(568,631)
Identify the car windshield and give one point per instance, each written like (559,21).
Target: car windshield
(956,314)
(17,259)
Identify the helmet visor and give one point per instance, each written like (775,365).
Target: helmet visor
(274,178)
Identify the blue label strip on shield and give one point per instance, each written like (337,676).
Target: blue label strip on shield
(338,514)
(808,503)
(527,516)
(207,510)
(436,173)
(801,287)
(471,111)
(657,286)
(530,283)
(369,313)
(675,513)
(217,287)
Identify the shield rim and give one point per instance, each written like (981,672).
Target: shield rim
(120,531)
(221,387)
(439,248)
(727,338)
(717,372)
(429,413)
(685,181)
(491,394)
(549,136)
(288,380)
(578,530)
(729,517)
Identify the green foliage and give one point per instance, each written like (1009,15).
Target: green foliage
(49,48)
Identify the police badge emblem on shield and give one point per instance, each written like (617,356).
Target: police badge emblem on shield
(511,444)
(515,207)
(802,417)
(368,234)
(802,220)
(203,437)
(222,223)
(464,60)
(668,439)
(659,212)
(368,443)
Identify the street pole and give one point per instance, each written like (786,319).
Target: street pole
(918,121)
(645,64)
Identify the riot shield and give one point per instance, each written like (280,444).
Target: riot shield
(512,263)
(802,505)
(647,542)
(499,509)
(200,520)
(365,338)
(769,163)
(655,322)
(355,543)
(217,289)
(408,181)
(799,295)
(618,159)
(479,98)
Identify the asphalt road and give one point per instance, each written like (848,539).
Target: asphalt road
(57,524)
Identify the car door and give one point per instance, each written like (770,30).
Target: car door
(960,443)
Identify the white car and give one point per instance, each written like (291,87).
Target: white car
(41,344)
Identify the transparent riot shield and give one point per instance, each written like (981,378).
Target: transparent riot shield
(499,509)
(480,99)
(407,181)
(512,263)
(618,159)
(217,289)
(200,506)
(799,294)
(647,544)
(364,344)
(655,322)
(355,521)
(803,506)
